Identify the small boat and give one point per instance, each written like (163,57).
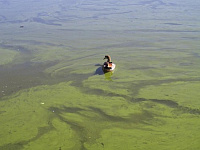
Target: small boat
(108,66)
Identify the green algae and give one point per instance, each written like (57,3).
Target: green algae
(63,116)
(7,56)
(54,96)
(180,92)
(140,106)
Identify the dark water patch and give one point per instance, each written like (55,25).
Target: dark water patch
(172,104)
(142,68)
(189,110)
(42,131)
(138,99)
(20,145)
(65,109)
(4,2)
(109,13)
(2,18)
(15,77)
(162,31)
(34,42)
(77,30)
(147,2)
(83,57)
(42,14)
(80,130)
(134,118)
(102,92)
(72,109)
(121,45)
(21,76)
(191,38)
(43,21)
(18,21)
(58,13)
(185,64)
(99,9)
(14,146)
(174,24)
(169,103)
(77,79)
(106,116)
(145,117)
(178,31)
(16,48)
(196,55)
(1,112)
(136,87)
(154,4)
(143,83)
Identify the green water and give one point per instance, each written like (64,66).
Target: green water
(53,94)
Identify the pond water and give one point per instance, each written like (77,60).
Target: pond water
(54,95)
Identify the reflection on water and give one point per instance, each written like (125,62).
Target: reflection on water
(99,71)
(55,95)
(108,76)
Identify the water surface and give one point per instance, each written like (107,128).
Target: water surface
(53,94)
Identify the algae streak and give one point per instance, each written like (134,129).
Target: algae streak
(61,116)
